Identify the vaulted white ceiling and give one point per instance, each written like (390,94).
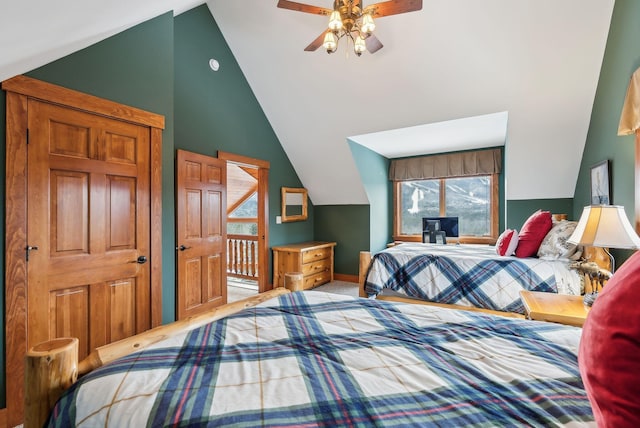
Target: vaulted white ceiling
(529,65)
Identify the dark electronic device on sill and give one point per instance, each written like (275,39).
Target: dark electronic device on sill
(436,230)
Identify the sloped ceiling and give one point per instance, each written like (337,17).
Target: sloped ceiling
(533,63)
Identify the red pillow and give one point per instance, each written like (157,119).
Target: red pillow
(610,349)
(532,233)
(507,242)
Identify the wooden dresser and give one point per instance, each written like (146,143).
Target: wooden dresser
(313,259)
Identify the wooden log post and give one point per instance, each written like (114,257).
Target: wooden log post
(365,261)
(50,368)
(294,281)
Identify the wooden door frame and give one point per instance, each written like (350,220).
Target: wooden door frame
(263,213)
(19,89)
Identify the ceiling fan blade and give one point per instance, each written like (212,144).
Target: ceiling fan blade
(301,7)
(316,43)
(393,7)
(373,44)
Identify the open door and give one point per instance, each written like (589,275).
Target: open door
(201,233)
(259,170)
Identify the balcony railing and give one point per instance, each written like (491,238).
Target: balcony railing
(242,256)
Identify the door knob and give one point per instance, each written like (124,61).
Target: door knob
(182,248)
(142,260)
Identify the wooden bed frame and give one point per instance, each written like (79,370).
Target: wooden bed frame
(593,254)
(52,367)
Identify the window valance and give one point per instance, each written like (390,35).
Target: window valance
(461,164)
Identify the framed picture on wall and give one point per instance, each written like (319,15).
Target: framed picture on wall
(600,184)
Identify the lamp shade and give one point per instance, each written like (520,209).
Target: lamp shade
(605,226)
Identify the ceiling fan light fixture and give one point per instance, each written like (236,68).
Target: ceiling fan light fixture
(335,21)
(330,42)
(351,20)
(359,46)
(367,24)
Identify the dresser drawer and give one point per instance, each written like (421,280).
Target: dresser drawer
(317,279)
(316,254)
(316,267)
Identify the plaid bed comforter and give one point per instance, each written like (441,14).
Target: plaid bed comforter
(316,359)
(467,275)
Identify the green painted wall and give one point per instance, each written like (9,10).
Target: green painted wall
(374,173)
(218,111)
(621,59)
(519,211)
(348,226)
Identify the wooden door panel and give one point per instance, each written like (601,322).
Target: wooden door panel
(201,233)
(214,175)
(70,139)
(69,213)
(213,289)
(193,214)
(122,309)
(120,148)
(192,291)
(69,315)
(213,223)
(121,213)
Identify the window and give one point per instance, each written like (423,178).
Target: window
(243,220)
(473,199)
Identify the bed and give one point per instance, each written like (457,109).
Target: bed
(310,358)
(467,275)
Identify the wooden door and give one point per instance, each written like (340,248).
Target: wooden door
(201,233)
(88,223)
(85,166)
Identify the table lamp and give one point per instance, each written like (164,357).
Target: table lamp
(604,226)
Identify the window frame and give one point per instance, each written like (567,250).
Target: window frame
(466,239)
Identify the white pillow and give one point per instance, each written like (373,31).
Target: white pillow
(555,245)
(507,242)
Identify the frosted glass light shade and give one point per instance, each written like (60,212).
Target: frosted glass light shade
(360,45)
(330,42)
(605,226)
(335,21)
(367,24)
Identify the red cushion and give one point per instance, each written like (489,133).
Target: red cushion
(507,242)
(532,233)
(609,355)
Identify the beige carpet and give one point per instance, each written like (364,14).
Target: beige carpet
(339,287)
(235,293)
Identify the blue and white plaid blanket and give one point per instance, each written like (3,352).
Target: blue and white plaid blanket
(316,359)
(467,275)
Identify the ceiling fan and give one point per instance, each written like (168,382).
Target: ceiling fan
(351,19)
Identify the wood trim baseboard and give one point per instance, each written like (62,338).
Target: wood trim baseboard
(345,277)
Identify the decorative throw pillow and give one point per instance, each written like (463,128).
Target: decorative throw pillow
(609,349)
(532,233)
(555,245)
(507,242)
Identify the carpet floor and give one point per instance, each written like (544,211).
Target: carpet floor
(235,292)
